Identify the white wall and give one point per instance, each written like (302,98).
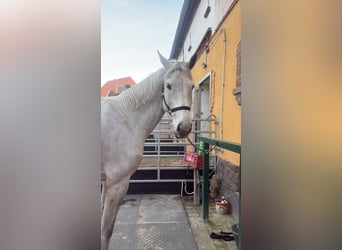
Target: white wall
(200,25)
(221,8)
(198,28)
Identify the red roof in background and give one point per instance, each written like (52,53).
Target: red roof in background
(116,84)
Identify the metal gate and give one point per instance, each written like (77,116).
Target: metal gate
(163,153)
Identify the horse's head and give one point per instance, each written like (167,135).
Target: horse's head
(177,95)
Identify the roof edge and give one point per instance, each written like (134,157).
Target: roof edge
(188,11)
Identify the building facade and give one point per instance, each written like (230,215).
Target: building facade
(209,36)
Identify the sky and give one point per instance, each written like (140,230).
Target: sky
(131,33)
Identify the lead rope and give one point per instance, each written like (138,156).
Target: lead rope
(213,147)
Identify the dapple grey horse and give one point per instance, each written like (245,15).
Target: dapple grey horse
(126,122)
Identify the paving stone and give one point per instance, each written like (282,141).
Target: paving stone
(166,236)
(123,237)
(161,208)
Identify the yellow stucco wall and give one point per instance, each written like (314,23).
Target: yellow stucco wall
(223,67)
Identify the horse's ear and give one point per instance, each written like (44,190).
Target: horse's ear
(164,61)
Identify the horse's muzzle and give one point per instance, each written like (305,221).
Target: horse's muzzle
(183,130)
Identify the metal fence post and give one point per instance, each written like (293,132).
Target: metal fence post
(205,185)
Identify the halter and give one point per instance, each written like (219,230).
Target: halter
(172,110)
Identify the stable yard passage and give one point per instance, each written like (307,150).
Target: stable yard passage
(152,222)
(167,222)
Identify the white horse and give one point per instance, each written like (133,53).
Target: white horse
(126,122)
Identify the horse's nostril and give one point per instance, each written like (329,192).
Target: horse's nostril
(183,130)
(179,127)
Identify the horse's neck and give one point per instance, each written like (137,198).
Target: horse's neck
(150,116)
(147,107)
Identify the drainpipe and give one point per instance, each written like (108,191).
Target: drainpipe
(223,82)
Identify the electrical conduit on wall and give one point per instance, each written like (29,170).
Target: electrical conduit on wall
(222,82)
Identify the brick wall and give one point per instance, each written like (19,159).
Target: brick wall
(229,188)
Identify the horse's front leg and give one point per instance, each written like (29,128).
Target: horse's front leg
(103,190)
(114,193)
(103,195)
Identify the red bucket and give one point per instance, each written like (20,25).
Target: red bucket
(193,160)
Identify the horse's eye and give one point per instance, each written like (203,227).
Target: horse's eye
(168,86)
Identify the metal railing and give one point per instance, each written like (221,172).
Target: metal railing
(162,151)
(230,146)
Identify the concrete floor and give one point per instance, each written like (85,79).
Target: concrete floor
(166,222)
(152,222)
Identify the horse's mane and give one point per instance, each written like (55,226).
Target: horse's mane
(143,92)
